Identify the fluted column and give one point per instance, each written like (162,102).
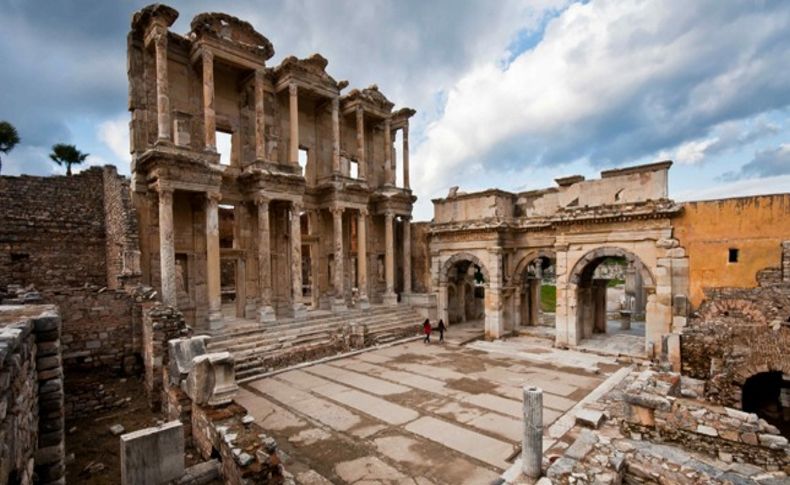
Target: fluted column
(296,259)
(362,257)
(209,116)
(162,88)
(339,302)
(389,176)
(407,255)
(167,252)
(260,119)
(293,120)
(336,135)
(212,260)
(406,156)
(265,309)
(362,163)
(390,298)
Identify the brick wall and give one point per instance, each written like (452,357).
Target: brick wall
(52,230)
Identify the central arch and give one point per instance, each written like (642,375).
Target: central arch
(534,280)
(587,288)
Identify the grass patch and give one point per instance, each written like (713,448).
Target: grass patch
(615,282)
(548,298)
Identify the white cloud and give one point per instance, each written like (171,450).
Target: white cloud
(612,81)
(115,134)
(740,188)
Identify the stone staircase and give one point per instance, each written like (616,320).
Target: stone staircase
(259,348)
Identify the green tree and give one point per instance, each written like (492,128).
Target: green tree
(68,155)
(8,139)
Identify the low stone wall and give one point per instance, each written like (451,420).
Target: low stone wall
(31,395)
(248,454)
(654,409)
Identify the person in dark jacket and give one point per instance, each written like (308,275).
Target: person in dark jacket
(441,328)
(426,328)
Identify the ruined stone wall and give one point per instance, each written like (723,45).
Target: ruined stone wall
(735,334)
(755,226)
(123,245)
(52,230)
(31,395)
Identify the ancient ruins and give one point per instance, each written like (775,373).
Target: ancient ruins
(254,315)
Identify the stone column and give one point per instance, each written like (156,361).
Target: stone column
(315,258)
(599,304)
(209,117)
(336,135)
(293,120)
(212,260)
(167,252)
(339,302)
(260,118)
(390,298)
(407,255)
(362,257)
(265,310)
(162,88)
(362,163)
(406,156)
(296,259)
(389,176)
(532,444)
(534,301)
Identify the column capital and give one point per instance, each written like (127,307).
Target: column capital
(364,212)
(215,197)
(160,38)
(297,205)
(360,111)
(389,213)
(262,200)
(406,218)
(337,210)
(164,190)
(207,55)
(293,89)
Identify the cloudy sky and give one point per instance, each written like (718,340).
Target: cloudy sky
(509,94)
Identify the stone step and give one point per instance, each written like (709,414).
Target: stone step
(265,333)
(342,317)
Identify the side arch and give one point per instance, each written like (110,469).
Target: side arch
(518,272)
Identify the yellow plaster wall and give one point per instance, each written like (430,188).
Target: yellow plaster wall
(756,226)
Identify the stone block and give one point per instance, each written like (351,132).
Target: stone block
(212,379)
(153,455)
(182,351)
(589,418)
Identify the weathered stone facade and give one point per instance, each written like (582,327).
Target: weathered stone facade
(578,225)
(322,234)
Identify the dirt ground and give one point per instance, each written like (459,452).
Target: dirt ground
(95,450)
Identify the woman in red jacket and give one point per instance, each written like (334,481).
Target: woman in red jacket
(426,328)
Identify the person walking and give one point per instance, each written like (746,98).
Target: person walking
(441,327)
(426,328)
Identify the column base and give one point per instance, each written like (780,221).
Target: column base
(339,305)
(215,320)
(299,310)
(625,324)
(250,310)
(363,302)
(390,299)
(266,314)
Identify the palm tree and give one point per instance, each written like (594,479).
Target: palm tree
(8,138)
(67,154)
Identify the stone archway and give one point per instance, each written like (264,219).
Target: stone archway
(585,312)
(528,281)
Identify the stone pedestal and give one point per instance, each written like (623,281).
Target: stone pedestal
(181,352)
(153,455)
(212,379)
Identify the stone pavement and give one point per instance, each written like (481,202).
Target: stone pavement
(410,413)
